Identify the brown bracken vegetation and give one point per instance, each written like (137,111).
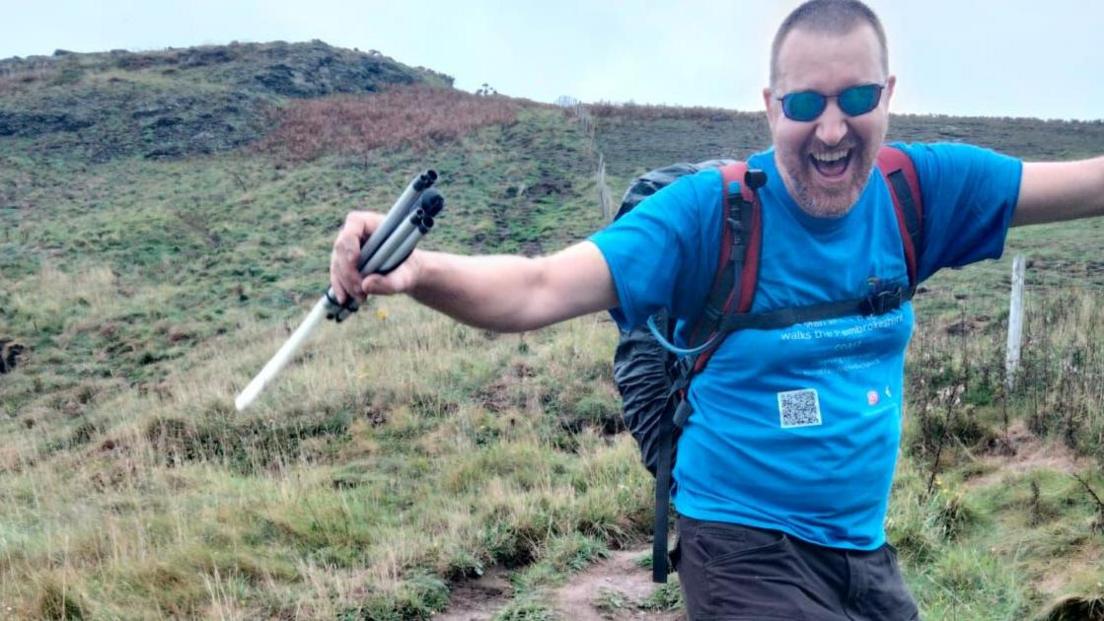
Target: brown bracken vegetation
(409,116)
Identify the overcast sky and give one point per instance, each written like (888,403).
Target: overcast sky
(972,57)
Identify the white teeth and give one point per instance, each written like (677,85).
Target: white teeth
(831,156)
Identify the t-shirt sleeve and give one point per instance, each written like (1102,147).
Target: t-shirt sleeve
(662,254)
(969,195)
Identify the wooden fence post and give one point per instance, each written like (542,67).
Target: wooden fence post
(605,197)
(1015,323)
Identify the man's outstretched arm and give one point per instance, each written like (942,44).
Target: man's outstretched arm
(1054,191)
(503,293)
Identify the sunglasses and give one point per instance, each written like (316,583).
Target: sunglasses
(805,106)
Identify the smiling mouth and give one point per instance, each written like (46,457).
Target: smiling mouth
(831,164)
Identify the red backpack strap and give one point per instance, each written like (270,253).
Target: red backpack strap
(900,176)
(733,290)
(751,224)
(737,273)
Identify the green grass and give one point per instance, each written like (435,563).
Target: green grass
(405,453)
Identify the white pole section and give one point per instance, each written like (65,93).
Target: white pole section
(1015,323)
(283,356)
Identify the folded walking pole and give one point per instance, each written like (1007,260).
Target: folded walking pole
(410,218)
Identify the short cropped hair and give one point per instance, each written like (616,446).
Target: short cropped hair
(836,17)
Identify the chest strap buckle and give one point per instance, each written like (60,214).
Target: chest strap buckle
(882,302)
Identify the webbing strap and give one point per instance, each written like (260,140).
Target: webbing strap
(904,194)
(675,412)
(908,218)
(738,272)
(730,259)
(876,304)
(663,493)
(900,175)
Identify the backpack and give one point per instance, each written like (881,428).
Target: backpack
(652,375)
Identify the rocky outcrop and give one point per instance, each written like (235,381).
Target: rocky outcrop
(178,102)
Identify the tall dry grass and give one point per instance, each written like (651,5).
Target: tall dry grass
(387,462)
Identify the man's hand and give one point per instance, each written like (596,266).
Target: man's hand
(346,280)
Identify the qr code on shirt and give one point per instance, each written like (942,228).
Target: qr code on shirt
(799,408)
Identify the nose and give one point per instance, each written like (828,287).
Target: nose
(832,125)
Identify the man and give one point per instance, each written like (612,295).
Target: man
(785,467)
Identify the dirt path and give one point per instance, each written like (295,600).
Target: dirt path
(610,590)
(478,600)
(1022,452)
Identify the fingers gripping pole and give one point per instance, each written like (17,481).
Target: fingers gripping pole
(386,258)
(399,210)
(407,202)
(394,242)
(404,250)
(385,249)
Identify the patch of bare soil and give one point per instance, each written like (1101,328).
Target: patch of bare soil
(478,600)
(611,591)
(1058,575)
(1021,451)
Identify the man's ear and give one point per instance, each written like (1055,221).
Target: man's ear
(771,105)
(891,82)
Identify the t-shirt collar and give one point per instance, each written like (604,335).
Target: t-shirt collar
(779,194)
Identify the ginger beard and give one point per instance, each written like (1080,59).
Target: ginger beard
(826,181)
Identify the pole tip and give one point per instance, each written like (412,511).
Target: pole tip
(248,396)
(425,180)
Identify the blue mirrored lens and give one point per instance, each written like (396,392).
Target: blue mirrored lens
(804,106)
(859,99)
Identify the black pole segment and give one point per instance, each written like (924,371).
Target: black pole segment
(432,202)
(425,180)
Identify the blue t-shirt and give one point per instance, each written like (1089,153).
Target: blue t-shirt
(798,429)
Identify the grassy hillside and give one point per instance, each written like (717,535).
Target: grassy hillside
(166,220)
(175,103)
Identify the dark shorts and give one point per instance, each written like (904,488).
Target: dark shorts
(730,572)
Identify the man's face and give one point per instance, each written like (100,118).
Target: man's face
(825,162)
